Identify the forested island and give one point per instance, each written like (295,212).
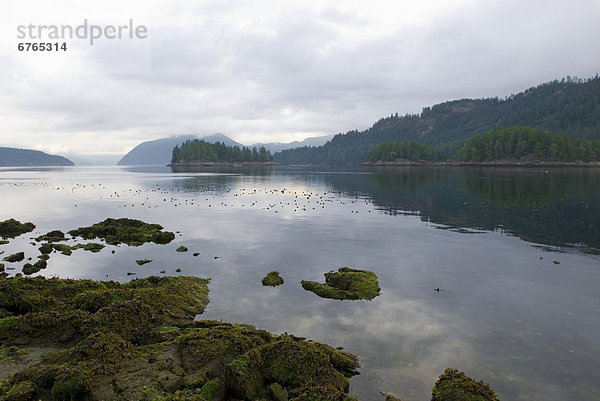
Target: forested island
(197,151)
(570,106)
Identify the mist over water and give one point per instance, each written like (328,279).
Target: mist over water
(487,238)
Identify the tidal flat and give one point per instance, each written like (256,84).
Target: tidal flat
(465,261)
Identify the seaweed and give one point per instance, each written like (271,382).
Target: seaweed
(29,268)
(272,279)
(12,228)
(346,284)
(454,385)
(129,231)
(90,246)
(15,257)
(52,236)
(139,341)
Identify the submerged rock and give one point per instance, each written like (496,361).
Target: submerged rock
(346,283)
(52,236)
(90,246)
(15,257)
(272,279)
(12,228)
(139,341)
(29,268)
(453,385)
(128,231)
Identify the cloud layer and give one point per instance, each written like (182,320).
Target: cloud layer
(278,70)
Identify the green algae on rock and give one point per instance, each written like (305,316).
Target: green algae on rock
(139,341)
(181,249)
(272,279)
(15,257)
(143,261)
(29,268)
(12,228)
(453,385)
(52,236)
(93,247)
(346,283)
(128,231)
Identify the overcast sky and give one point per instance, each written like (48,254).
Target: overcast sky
(268,71)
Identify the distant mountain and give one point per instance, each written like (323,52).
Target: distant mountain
(160,151)
(26,157)
(570,106)
(278,146)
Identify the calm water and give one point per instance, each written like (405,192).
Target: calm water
(488,239)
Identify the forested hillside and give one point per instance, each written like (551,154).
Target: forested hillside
(569,106)
(517,143)
(402,150)
(27,157)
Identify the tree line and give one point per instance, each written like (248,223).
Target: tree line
(198,150)
(407,150)
(570,105)
(514,143)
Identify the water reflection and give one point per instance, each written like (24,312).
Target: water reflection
(506,312)
(556,208)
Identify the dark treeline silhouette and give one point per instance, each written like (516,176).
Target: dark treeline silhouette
(570,106)
(197,150)
(518,143)
(402,150)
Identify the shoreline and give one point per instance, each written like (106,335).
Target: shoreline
(221,164)
(499,163)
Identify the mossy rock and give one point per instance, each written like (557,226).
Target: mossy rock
(453,385)
(45,249)
(345,284)
(128,231)
(213,390)
(52,236)
(12,228)
(23,391)
(63,248)
(272,279)
(295,364)
(15,257)
(181,249)
(142,262)
(90,246)
(139,341)
(29,268)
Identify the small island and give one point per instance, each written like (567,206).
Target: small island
(346,284)
(201,153)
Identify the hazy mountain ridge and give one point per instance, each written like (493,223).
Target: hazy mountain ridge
(279,146)
(160,151)
(26,157)
(571,106)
